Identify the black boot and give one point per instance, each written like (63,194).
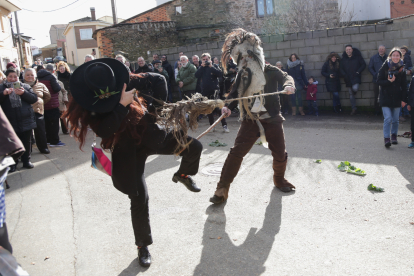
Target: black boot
(187,181)
(144,257)
(13,168)
(28,165)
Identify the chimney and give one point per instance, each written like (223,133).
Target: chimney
(93,14)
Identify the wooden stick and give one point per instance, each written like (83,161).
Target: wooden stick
(208,130)
(212,126)
(255,96)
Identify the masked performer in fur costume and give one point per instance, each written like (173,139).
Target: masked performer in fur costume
(100,100)
(259,115)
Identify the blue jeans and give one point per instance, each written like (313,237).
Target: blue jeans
(404,111)
(391,120)
(297,95)
(336,99)
(352,91)
(313,106)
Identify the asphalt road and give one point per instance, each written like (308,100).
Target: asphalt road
(65,218)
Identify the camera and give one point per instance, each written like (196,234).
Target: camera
(207,63)
(390,75)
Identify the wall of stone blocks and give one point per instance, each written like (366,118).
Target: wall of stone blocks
(314,46)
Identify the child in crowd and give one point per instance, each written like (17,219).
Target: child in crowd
(311,96)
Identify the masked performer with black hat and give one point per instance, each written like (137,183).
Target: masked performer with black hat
(100,101)
(260,115)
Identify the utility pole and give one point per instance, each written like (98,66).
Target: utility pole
(113,11)
(20,40)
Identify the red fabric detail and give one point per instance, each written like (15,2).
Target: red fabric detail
(312,89)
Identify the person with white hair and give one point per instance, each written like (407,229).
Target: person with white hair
(89,58)
(43,96)
(186,79)
(122,59)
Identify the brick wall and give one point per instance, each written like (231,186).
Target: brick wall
(401,8)
(158,14)
(314,46)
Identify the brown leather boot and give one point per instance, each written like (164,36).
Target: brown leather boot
(279,179)
(294,111)
(301,111)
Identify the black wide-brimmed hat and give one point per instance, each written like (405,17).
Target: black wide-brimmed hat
(97,85)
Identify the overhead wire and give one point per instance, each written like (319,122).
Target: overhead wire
(54,9)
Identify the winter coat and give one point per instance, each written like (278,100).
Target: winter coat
(52,85)
(375,64)
(164,73)
(63,97)
(273,76)
(352,67)
(187,76)
(21,118)
(392,93)
(298,74)
(143,69)
(332,84)
(407,60)
(128,158)
(43,97)
(65,79)
(209,82)
(410,100)
(311,92)
(10,144)
(167,67)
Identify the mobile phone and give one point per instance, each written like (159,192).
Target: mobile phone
(16,85)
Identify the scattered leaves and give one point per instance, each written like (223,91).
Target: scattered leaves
(412,223)
(219,238)
(318,161)
(371,187)
(46,258)
(345,166)
(258,143)
(217,144)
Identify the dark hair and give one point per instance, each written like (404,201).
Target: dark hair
(39,67)
(348,45)
(404,47)
(294,54)
(311,77)
(10,70)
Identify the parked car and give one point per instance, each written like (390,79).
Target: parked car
(59,58)
(48,60)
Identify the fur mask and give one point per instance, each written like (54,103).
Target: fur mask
(244,48)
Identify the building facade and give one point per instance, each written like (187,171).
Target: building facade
(8,50)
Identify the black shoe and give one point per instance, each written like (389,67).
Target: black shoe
(144,257)
(13,168)
(28,165)
(45,151)
(187,181)
(217,199)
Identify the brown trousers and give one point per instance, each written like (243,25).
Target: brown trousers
(246,137)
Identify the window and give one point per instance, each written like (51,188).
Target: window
(85,34)
(178,10)
(264,7)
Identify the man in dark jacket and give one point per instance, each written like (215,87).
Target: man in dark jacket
(171,78)
(52,113)
(197,63)
(208,75)
(142,66)
(352,65)
(375,64)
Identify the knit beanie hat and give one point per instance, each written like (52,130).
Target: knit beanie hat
(11,64)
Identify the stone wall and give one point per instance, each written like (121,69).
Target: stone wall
(135,38)
(313,47)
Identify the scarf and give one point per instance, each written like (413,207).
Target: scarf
(31,83)
(15,100)
(292,64)
(395,66)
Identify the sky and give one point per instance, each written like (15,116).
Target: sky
(37,24)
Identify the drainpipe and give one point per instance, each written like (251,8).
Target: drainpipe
(76,45)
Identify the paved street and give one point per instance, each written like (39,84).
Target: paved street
(65,218)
